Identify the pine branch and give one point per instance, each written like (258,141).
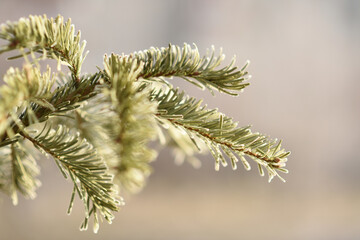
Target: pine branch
(78,160)
(133,126)
(18,172)
(22,88)
(219,132)
(105,120)
(187,63)
(43,103)
(53,38)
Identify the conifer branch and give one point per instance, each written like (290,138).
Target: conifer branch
(40,107)
(18,172)
(97,127)
(79,160)
(53,38)
(133,126)
(22,88)
(187,63)
(219,132)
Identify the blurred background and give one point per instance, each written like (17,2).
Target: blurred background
(305,90)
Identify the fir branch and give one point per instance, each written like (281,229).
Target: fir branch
(63,99)
(187,63)
(53,38)
(79,160)
(22,88)
(219,132)
(18,172)
(110,134)
(133,126)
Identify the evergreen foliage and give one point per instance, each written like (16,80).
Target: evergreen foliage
(97,127)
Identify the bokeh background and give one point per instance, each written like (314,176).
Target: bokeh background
(305,90)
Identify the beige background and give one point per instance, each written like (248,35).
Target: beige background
(306,78)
